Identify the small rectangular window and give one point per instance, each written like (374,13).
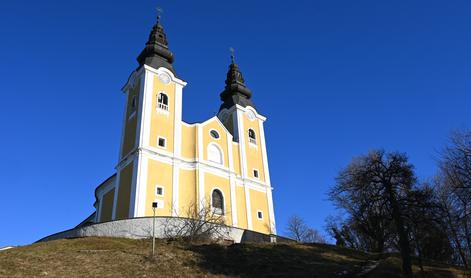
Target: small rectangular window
(162,142)
(259,214)
(159,191)
(255,173)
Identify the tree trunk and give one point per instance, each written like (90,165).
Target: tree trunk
(403,238)
(466,228)
(455,237)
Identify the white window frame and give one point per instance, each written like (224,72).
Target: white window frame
(161,107)
(258,214)
(156,191)
(165,142)
(212,144)
(252,140)
(218,211)
(219,134)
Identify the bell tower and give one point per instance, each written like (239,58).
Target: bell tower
(152,122)
(242,120)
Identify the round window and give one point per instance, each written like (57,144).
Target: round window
(214,134)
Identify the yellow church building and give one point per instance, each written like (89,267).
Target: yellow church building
(221,161)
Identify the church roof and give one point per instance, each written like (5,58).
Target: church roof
(235,92)
(156,52)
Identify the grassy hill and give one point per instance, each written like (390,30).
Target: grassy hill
(113,257)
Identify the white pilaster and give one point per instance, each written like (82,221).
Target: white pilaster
(139,184)
(243,163)
(135,185)
(98,211)
(115,198)
(232,182)
(177,145)
(267,177)
(199,169)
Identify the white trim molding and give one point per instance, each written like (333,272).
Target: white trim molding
(266,171)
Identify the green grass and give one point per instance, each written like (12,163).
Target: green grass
(114,257)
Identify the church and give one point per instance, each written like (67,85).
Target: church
(162,159)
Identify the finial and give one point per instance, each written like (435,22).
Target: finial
(232,54)
(159,13)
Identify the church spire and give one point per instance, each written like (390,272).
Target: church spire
(156,52)
(235,92)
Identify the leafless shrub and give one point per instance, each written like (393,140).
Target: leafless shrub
(300,231)
(197,224)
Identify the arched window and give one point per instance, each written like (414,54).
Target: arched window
(252,137)
(214,153)
(217,202)
(162,102)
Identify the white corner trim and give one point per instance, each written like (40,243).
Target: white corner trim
(266,172)
(135,184)
(115,198)
(141,185)
(144,120)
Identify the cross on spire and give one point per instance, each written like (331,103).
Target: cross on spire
(232,54)
(159,13)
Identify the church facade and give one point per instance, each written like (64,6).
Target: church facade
(221,162)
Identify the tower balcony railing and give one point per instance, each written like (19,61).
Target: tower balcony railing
(163,106)
(253,141)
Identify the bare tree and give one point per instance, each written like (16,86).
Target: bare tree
(200,223)
(380,182)
(455,188)
(301,232)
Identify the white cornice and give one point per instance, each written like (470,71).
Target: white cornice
(162,69)
(191,164)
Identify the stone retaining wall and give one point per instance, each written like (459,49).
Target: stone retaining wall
(139,228)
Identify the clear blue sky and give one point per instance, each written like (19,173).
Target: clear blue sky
(334,78)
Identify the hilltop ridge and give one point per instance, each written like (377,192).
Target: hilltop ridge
(117,257)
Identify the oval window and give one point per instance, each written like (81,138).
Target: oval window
(214,134)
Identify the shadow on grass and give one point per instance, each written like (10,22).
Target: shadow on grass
(390,267)
(280,260)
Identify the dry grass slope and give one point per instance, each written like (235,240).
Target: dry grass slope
(113,257)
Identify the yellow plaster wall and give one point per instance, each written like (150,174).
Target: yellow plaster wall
(212,182)
(241,208)
(130,128)
(221,142)
(236,157)
(159,174)
(188,141)
(124,192)
(254,154)
(187,192)
(107,206)
(162,124)
(259,201)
